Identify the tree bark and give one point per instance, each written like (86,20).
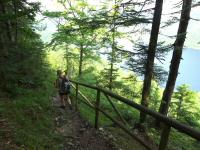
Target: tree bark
(67,59)
(150,57)
(6,24)
(176,58)
(16,20)
(81,60)
(113,59)
(111,77)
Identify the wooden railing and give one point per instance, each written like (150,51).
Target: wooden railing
(167,122)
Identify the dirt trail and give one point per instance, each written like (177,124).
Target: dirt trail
(78,134)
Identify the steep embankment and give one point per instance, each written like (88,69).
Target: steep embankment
(26,121)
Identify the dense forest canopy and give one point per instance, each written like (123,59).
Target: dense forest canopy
(118,45)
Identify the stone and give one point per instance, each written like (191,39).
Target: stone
(70,143)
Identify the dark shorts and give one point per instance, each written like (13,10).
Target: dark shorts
(64,93)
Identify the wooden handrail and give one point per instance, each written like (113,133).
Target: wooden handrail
(166,120)
(86,101)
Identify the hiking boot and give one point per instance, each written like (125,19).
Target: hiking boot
(63,107)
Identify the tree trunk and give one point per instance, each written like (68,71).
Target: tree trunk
(16,21)
(111,76)
(67,59)
(113,50)
(6,24)
(2,42)
(81,60)
(176,58)
(178,111)
(112,59)
(151,55)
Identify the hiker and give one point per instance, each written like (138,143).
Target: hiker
(67,85)
(58,85)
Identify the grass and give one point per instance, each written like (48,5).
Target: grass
(31,118)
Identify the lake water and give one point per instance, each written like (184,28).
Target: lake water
(189,70)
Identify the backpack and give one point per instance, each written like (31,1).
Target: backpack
(65,85)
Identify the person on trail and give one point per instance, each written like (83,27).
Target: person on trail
(67,86)
(58,85)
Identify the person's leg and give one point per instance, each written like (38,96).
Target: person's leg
(62,100)
(69,101)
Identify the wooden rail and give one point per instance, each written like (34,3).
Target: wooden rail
(166,121)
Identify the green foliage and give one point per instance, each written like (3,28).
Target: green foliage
(137,60)
(129,85)
(30,115)
(21,47)
(25,84)
(103,25)
(155,96)
(84,34)
(181,141)
(79,29)
(185,106)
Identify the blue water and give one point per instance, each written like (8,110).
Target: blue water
(189,70)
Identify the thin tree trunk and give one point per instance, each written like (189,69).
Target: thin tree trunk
(113,49)
(67,59)
(6,24)
(16,21)
(111,76)
(81,60)
(151,55)
(2,40)
(112,59)
(176,58)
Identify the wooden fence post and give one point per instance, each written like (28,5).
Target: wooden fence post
(76,99)
(97,109)
(164,137)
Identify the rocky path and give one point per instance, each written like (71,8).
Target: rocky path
(77,133)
